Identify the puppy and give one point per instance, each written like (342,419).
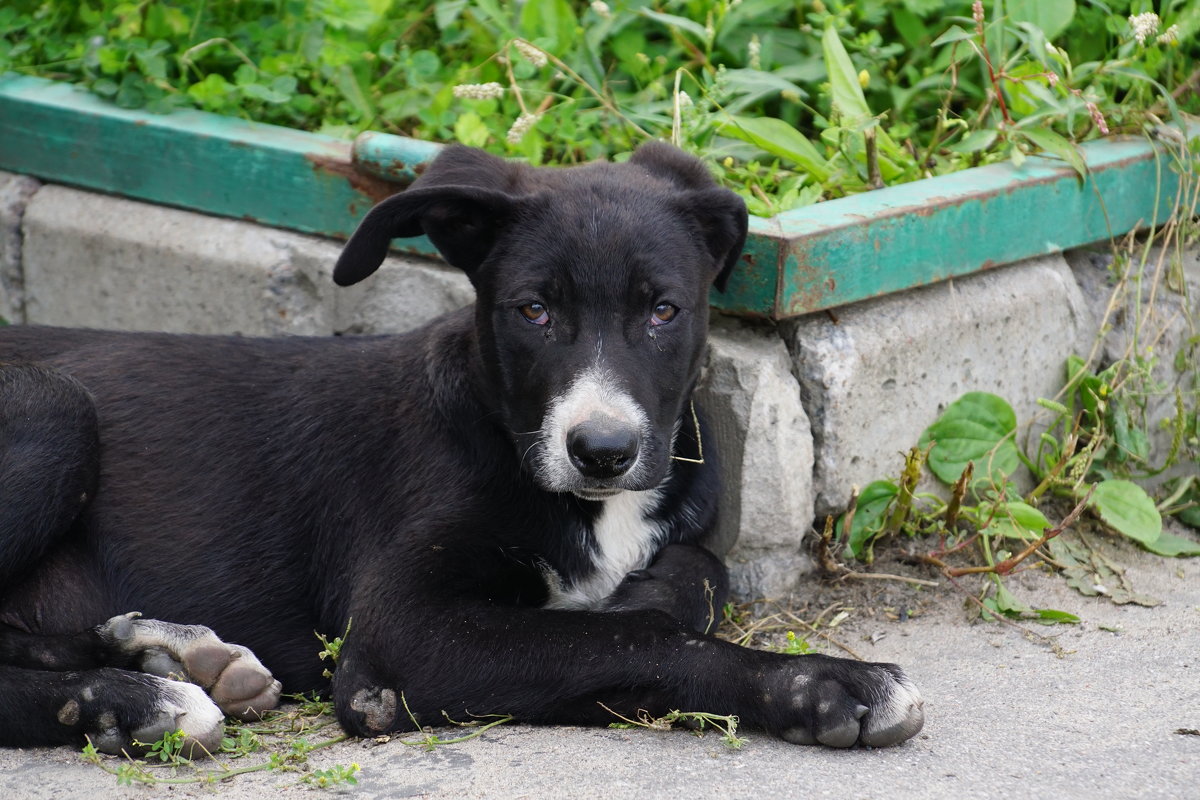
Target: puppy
(508,504)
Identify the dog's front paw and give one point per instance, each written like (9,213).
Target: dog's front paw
(123,711)
(235,679)
(836,702)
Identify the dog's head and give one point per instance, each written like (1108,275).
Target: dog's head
(591,297)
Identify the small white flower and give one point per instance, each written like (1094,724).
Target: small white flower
(478,91)
(684,100)
(1169,36)
(532,54)
(602,10)
(977,11)
(754,50)
(521,127)
(1144,26)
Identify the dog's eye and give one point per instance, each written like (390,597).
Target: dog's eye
(663,313)
(535,313)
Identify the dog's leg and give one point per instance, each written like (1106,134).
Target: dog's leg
(235,679)
(686,581)
(557,666)
(49,450)
(112,708)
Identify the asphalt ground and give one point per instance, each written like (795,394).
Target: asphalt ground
(1101,709)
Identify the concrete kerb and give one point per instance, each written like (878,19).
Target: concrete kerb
(801,411)
(766,446)
(15,192)
(92,260)
(876,374)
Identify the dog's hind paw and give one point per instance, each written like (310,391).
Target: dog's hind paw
(235,679)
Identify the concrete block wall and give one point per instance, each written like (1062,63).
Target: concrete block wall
(801,411)
(876,374)
(82,259)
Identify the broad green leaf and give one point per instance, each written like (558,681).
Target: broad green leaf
(1056,145)
(347,83)
(1168,544)
(1051,16)
(848,97)
(491,10)
(975,141)
(447,12)
(682,23)
(953,34)
(1051,616)
(1007,602)
(470,129)
(1017,520)
(264,93)
(357,15)
(910,27)
(976,427)
(1126,508)
(1191,515)
(756,82)
(869,516)
(552,19)
(780,139)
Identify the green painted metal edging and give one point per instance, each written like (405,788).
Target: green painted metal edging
(809,259)
(918,233)
(191,159)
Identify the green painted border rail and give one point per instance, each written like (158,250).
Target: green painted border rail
(801,261)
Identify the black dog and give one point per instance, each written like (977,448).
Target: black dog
(507,504)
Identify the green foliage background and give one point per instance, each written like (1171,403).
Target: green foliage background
(780,92)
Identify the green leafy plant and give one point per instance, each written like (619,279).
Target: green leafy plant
(696,721)
(334,776)
(793,102)
(332,648)
(277,743)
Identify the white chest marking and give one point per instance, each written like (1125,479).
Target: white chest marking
(626,540)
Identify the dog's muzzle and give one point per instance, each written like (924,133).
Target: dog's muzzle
(602,448)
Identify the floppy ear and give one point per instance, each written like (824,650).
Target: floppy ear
(722,219)
(667,161)
(719,213)
(461,221)
(461,201)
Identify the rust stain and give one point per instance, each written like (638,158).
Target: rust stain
(392,169)
(373,188)
(810,288)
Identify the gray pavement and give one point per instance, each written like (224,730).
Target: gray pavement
(1007,717)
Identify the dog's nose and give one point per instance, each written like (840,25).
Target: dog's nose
(602,448)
